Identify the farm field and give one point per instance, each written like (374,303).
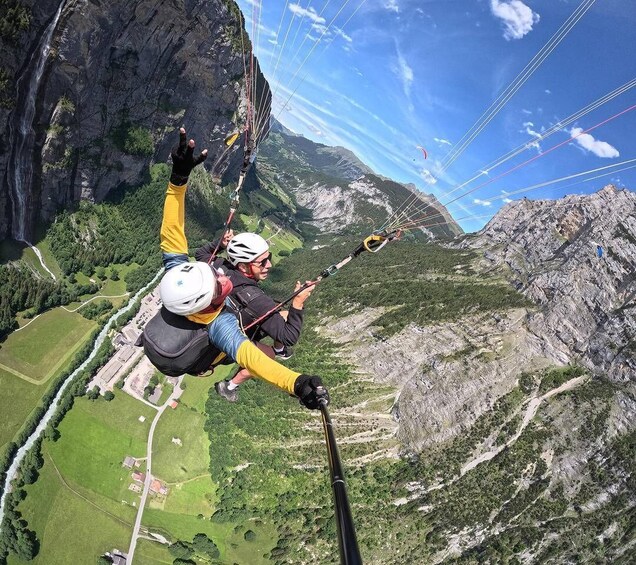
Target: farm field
(67,524)
(24,398)
(40,349)
(83,487)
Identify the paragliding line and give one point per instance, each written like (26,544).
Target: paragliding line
(347,542)
(372,244)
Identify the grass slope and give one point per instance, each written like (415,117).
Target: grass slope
(41,348)
(19,399)
(67,524)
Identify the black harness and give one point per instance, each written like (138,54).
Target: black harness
(176,345)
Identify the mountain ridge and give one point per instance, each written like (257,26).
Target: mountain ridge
(342,192)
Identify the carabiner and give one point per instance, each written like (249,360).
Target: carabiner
(375,242)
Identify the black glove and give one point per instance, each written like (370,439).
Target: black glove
(183,160)
(310,391)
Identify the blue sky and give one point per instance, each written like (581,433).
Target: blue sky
(382,77)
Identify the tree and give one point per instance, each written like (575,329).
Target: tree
(181,549)
(114,274)
(51,433)
(93,394)
(203,544)
(108,395)
(104,560)
(139,142)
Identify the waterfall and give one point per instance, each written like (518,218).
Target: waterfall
(22,136)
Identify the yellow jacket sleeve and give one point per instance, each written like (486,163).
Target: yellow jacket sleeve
(259,364)
(173,238)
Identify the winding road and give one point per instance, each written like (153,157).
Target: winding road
(176,393)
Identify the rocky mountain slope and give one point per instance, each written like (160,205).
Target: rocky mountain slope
(97,90)
(505,445)
(342,192)
(586,302)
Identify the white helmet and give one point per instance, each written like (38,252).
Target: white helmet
(188,288)
(245,247)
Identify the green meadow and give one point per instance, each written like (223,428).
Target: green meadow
(68,523)
(40,349)
(20,398)
(95,438)
(82,495)
(30,357)
(229,537)
(175,463)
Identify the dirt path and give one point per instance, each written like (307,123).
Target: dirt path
(531,412)
(95,298)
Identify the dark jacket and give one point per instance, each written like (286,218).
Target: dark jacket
(249,302)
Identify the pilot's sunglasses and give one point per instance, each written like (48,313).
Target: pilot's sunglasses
(263,262)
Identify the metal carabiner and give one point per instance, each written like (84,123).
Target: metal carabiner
(375,242)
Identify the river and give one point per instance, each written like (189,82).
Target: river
(11,472)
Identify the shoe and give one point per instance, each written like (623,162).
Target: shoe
(284,353)
(224,392)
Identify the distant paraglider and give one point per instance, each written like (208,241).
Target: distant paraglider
(599,249)
(423,151)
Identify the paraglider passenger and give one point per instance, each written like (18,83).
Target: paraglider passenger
(192,330)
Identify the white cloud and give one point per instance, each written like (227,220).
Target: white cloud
(548,91)
(485,203)
(310,13)
(392,6)
(427,176)
(526,112)
(315,130)
(507,200)
(320,28)
(528,129)
(404,73)
(342,34)
(440,141)
(598,148)
(517,18)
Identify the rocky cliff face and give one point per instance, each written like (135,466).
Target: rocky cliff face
(512,460)
(448,374)
(116,83)
(576,259)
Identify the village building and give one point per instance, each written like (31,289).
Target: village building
(129,462)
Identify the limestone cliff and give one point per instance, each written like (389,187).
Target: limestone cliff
(576,259)
(107,92)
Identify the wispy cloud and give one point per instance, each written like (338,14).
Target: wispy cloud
(392,6)
(479,202)
(441,142)
(405,73)
(598,148)
(428,176)
(505,198)
(517,18)
(310,13)
(341,33)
